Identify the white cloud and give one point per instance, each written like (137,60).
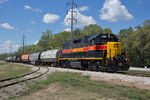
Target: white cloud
(32,22)
(82,20)
(36,42)
(114,11)
(84,8)
(27,7)
(7,26)
(50,18)
(5,47)
(2,1)
(67,29)
(33,9)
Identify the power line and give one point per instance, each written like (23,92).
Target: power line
(72,17)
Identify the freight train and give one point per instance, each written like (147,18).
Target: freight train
(95,52)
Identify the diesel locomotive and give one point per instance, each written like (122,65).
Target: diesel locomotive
(95,52)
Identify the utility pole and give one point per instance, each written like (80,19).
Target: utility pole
(10,47)
(72,17)
(44,44)
(23,43)
(5,51)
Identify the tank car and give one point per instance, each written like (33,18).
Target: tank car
(14,58)
(49,57)
(18,59)
(25,58)
(8,59)
(34,58)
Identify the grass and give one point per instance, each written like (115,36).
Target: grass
(74,85)
(8,70)
(138,72)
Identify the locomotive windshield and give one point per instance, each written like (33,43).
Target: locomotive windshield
(108,38)
(103,38)
(96,39)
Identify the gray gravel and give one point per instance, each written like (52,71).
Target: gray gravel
(18,89)
(140,69)
(107,76)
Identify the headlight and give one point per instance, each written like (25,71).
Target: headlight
(126,59)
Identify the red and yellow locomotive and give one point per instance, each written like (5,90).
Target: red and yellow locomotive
(95,52)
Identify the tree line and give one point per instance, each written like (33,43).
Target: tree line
(135,40)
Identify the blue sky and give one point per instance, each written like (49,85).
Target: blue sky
(32,17)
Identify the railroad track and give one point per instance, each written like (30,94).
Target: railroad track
(121,72)
(132,74)
(19,78)
(138,74)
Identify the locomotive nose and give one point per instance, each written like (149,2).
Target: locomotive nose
(113,49)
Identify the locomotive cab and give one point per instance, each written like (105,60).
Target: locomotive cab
(115,59)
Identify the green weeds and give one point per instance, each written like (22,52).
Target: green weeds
(82,84)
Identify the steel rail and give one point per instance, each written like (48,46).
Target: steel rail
(8,79)
(13,83)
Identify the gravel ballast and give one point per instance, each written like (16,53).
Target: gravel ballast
(19,88)
(107,76)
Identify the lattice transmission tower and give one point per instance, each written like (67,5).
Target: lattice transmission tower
(72,11)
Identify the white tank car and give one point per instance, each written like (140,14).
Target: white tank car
(34,58)
(14,58)
(49,57)
(9,59)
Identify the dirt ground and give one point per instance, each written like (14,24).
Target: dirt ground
(58,92)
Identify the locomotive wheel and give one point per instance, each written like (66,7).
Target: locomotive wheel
(84,64)
(67,64)
(63,64)
(53,64)
(90,67)
(93,65)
